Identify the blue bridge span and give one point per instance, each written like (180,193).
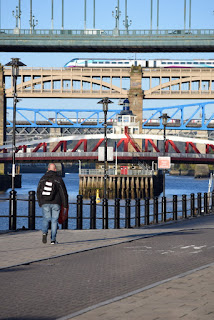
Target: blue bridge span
(198,116)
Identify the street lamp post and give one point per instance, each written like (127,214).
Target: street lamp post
(164,118)
(15,64)
(105,102)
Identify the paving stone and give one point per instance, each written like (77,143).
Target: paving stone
(111,269)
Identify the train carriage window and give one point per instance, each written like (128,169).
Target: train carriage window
(113,62)
(202,62)
(183,62)
(169,62)
(176,62)
(208,62)
(163,62)
(189,62)
(100,62)
(107,62)
(120,62)
(126,62)
(195,62)
(94,61)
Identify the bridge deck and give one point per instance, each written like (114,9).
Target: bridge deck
(107,40)
(93,156)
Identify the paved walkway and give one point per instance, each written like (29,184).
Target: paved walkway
(186,296)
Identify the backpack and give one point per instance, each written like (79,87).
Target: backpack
(48,189)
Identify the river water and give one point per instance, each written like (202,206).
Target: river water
(175,185)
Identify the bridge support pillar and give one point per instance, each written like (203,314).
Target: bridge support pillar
(2,116)
(54,132)
(135,97)
(200,146)
(135,94)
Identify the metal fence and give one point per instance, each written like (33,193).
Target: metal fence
(117,213)
(105,33)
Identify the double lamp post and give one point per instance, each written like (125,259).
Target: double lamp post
(105,101)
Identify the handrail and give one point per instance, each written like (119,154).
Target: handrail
(103,33)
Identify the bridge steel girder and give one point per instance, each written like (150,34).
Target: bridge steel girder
(107,41)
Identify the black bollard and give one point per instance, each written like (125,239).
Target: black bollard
(163,209)
(199,203)
(192,204)
(155,210)
(105,213)
(147,211)
(79,212)
(31,210)
(137,212)
(205,203)
(127,213)
(175,207)
(184,206)
(117,213)
(212,205)
(93,212)
(12,210)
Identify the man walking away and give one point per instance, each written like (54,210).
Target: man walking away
(51,194)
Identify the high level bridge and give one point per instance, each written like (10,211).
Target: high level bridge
(173,83)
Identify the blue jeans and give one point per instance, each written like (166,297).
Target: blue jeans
(50,213)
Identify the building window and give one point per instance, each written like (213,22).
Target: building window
(125,119)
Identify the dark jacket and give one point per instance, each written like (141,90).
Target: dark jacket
(60,197)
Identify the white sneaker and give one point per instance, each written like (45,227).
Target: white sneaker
(54,242)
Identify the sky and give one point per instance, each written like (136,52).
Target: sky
(171,16)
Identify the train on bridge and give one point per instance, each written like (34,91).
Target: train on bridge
(127,63)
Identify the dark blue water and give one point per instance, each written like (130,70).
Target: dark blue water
(175,185)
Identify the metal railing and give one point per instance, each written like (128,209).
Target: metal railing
(111,172)
(104,33)
(87,214)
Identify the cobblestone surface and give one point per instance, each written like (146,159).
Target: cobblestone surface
(58,287)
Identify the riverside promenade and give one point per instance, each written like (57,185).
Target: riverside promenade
(156,272)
